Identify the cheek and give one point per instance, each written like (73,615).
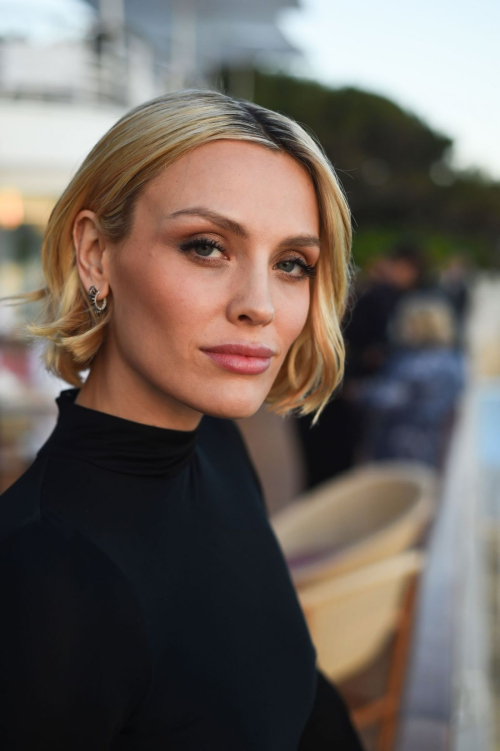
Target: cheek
(179,308)
(291,311)
(158,304)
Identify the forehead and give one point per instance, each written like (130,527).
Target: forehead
(243,180)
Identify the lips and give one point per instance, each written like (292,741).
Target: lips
(246,359)
(246,350)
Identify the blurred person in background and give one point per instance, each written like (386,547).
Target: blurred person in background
(197,265)
(332,444)
(366,329)
(454,282)
(410,405)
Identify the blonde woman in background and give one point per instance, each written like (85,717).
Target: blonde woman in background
(411,403)
(197,264)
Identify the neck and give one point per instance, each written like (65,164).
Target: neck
(116,389)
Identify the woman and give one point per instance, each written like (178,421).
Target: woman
(197,265)
(410,405)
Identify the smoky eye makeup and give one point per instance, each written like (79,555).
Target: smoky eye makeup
(202,246)
(200,249)
(309,271)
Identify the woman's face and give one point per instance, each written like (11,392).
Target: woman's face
(215,267)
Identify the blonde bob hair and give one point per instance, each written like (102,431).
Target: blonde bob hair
(134,151)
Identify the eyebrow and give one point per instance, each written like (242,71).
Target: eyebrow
(213,216)
(300,241)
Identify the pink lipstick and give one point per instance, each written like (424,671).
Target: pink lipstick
(246,359)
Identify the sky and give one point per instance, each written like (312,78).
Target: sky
(45,20)
(439,59)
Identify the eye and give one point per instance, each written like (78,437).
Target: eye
(296,268)
(287,265)
(203,247)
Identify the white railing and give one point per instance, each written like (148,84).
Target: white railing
(76,72)
(475,476)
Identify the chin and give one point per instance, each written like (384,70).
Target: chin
(235,408)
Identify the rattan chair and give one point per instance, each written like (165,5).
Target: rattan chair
(351,619)
(363,516)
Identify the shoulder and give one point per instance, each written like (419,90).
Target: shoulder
(56,584)
(55,565)
(20,503)
(78,654)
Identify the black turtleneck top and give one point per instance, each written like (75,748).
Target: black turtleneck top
(146,604)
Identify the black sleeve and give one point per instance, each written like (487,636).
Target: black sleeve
(329,727)
(74,661)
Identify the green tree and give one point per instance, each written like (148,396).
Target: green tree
(393,166)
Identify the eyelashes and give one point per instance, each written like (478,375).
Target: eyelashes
(200,242)
(197,245)
(308,270)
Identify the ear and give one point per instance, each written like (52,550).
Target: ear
(91,255)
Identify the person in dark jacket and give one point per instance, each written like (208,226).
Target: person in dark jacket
(410,405)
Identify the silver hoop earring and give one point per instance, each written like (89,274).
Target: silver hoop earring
(92,293)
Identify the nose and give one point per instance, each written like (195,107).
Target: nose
(251,301)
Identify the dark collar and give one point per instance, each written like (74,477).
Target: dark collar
(115,443)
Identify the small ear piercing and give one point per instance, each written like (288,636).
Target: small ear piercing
(92,293)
